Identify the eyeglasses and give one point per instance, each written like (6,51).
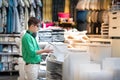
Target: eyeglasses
(37,25)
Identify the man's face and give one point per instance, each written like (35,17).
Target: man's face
(35,28)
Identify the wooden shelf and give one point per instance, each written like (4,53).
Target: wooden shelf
(8,63)
(9,53)
(8,35)
(10,71)
(3,42)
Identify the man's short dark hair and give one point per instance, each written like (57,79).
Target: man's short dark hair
(33,21)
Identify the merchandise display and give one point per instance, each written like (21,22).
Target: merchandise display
(51,35)
(113,20)
(9,52)
(76,40)
(83,34)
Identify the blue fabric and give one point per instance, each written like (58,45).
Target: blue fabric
(15,3)
(15,13)
(1,47)
(13,23)
(0,3)
(9,20)
(38,13)
(16,21)
(81,26)
(81,16)
(0,18)
(10,17)
(1,66)
(39,3)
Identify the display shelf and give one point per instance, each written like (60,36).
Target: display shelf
(4,42)
(10,35)
(94,36)
(100,40)
(9,62)
(54,61)
(9,72)
(9,53)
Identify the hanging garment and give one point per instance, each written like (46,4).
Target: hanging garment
(44,10)
(9,27)
(38,13)
(101,4)
(38,3)
(81,16)
(95,28)
(100,20)
(93,16)
(49,10)
(92,4)
(81,5)
(105,17)
(0,3)
(32,11)
(32,3)
(67,4)
(22,18)
(81,20)
(88,28)
(1,47)
(88,18)
(73,4)
(21,3)
(98,5)
(5,3)
(81,26)
(57,6)
(106,4)
(26,2)
(4,17)
(87,5)
(26,17)
(95,4)
(16,22)
(0,18)
(92,28)
(96,16)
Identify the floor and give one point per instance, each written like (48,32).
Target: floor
(8,77)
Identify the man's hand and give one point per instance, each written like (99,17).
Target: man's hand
(48,50)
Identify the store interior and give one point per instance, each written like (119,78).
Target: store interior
(84,36)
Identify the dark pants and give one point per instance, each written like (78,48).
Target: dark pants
(73,4)
(57,6)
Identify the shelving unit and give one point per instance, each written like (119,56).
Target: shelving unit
(105,30)
(9,53)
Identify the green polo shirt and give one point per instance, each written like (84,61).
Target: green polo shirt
(29,48)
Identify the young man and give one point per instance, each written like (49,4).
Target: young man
(31,51)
